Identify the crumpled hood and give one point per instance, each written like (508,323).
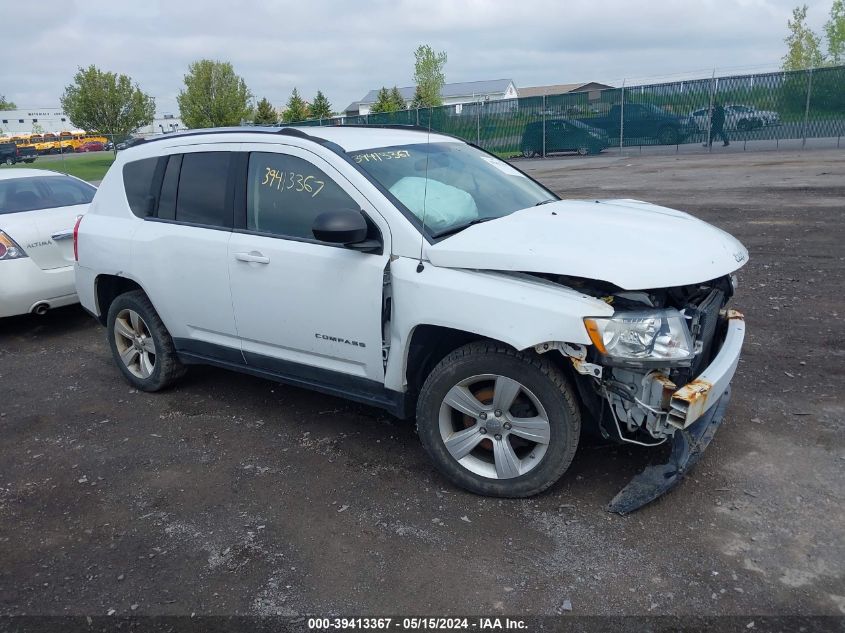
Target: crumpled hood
(634,245)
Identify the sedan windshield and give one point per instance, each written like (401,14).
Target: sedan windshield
(42,192)
(450,186)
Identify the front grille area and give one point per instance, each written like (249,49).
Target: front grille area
(705,318)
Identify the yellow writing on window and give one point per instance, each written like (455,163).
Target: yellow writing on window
(291,180)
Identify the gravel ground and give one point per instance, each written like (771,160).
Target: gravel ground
(230,494)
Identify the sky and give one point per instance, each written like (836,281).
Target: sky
(347,48)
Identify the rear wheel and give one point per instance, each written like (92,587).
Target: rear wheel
(498,422)
(9,160)
(140,344)
(528,152)
(583,151)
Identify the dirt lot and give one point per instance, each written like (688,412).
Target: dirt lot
(230,494)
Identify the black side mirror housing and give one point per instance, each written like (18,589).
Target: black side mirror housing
(347,227)
(344,226)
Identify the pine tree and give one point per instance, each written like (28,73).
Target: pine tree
(265,114)
(321,108)
(383,102)
(397,100)
(296,109)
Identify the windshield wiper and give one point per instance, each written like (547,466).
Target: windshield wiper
(460,227)
(546,201)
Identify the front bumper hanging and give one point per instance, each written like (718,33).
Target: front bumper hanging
(687,447)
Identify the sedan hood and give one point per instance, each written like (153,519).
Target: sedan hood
(634,245)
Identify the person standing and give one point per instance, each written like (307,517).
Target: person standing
(717,125)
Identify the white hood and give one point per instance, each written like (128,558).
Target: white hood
(634,245)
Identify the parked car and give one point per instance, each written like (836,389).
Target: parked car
(562,135)
(91,146)
(10,154)
(128,143)
(737,117)
(414,272)
(109,146)
(643,121)
(38,209)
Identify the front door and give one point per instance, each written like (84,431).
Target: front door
(304,307)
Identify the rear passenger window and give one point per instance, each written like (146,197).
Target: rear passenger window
(138,182)
(201,196)
(286,193)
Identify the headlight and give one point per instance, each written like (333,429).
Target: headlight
(636,337)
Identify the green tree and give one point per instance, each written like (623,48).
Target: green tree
(417,101)
(428,75)
(107,102)
(383,102)
(214,95)
(397,100)
(7,105)
(321,108)
(834,30)
(296,108)
(803,45)
(265,113)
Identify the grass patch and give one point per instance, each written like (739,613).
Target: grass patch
(84,166)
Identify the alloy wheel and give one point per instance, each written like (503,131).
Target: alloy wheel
(135,344)
(494,426)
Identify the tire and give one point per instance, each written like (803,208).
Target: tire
(528,152)
(668,136)
(583,151)
(486,442)
(9,161)
(134,326)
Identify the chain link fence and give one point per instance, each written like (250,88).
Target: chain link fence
(756,111)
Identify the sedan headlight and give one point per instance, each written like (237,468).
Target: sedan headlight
(642,337)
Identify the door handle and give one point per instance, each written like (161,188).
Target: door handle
(253,257)
(62,235)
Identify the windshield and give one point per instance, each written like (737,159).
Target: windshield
(42,192)
(451,184)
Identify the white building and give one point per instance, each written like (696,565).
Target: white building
(455,94)
(42,120)
(34,121)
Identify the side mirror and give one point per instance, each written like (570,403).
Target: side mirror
(344,226)
(347,227)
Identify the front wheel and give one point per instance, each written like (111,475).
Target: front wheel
(528,152)
(583,150)
(140,344)
(9,161)
(498,422)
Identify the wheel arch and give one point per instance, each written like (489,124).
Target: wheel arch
(107,288)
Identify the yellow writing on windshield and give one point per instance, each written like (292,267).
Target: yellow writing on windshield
(379,156)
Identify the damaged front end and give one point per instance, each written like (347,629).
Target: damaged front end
(659,371)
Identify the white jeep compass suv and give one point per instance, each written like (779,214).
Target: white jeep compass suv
(412,271)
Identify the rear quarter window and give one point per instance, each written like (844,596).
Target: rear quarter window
(138,179)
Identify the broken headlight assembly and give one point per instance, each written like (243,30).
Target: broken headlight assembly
(636,339)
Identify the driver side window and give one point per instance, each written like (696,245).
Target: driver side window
(286,193)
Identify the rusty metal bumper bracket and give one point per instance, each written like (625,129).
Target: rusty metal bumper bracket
(687,447)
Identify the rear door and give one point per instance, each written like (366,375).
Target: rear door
(179,253)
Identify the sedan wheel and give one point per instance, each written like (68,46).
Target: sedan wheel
(134,343)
